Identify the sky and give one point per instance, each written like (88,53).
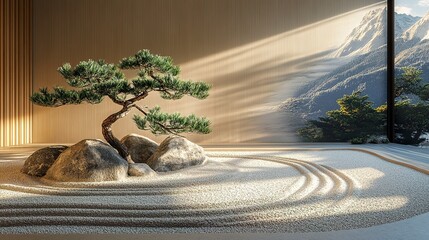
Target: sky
(412,7)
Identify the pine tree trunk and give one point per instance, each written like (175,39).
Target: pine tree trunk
(110,138)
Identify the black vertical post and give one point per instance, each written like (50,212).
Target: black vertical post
(390,69)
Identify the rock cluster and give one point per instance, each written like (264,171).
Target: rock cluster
(94,161)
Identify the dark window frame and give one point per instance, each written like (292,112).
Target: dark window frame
(390,69)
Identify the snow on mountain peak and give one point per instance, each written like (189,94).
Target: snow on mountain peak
(403,22)
(419,31)
(372,31)
(367,37)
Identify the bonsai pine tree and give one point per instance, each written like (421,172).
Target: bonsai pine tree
(91,81)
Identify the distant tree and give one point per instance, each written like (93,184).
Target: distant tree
(356,118)
(410,82)
(424,93)
(93,80)
(411,114)
(411,122)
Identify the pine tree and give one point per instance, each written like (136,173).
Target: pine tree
(411,107)
(411,122)
(410,82)
(355,119)
(92,81)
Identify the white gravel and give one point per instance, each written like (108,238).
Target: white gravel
(288,191)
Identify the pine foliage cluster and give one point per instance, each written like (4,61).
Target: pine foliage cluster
(162,123)
(355,119)
(411,107)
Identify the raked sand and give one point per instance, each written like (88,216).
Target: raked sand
(284,191)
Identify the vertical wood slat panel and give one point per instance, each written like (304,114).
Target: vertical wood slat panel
(2,16)
(15,72)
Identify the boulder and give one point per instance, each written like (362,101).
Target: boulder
(175,153)
(38,163)
(140,169)
(140,148)
(88,161)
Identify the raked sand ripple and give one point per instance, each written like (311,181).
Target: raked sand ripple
(295,191)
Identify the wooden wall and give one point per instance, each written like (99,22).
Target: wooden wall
(247,49)
(15,72)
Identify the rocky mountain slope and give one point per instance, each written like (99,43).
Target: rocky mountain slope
(366,71)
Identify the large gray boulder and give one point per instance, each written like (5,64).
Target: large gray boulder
(175,153)
(38,163)
(88,161)
(140,148)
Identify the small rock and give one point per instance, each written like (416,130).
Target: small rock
(140,148)
(378,139)
(88,161)
(38,163)
(175,153)
(140,169)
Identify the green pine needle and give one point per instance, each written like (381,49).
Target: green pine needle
(143,59)
(89,72)
(164,123)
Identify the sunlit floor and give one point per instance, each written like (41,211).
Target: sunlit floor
(268,190)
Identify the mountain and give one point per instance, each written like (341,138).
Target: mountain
(366,37)
(372,31)
(412,48)
(414,56)
(403,22)
(366,71)
(419,31)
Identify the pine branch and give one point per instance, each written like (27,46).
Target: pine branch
(171,87)
(61,96)
(90,72)
(163,123)
(112,87)
(142,122)
(148,62)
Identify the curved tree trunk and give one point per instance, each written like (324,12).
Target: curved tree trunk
(110,138)
(107,124)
